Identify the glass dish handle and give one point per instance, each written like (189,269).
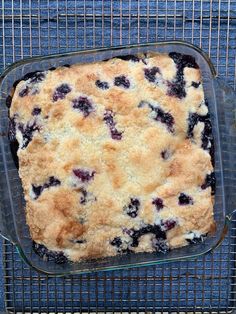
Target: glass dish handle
(226,109)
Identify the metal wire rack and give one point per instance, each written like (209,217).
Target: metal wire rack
(37,27)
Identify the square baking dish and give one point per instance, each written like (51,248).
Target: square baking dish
(222,101)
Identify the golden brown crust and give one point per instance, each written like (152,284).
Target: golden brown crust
(120,169)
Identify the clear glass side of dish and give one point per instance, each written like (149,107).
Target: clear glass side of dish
(222,105)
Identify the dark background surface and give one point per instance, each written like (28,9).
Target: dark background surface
(43,27)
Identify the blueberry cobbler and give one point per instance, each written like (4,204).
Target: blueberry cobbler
(115,157)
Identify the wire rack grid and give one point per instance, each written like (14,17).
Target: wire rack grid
(38,27)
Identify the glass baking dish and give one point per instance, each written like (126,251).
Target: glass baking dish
(222,101)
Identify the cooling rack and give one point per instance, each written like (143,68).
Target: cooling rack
(42,27)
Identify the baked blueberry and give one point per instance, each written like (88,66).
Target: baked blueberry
(168,224)
(52,182)
(36,111)
(176,88)
(149,229)
(24,91)
(132,208)
(163,117)
(158,202)
(183,60)
(210,181)
(57,256)
(28,131)
(83,198)
(83,104)
(165,154)
(84,175)
(109,120)
(196,84)
(122,81)
(185,199)
(61,92)
(116,242)
(206,136)
(207,133)
(12,130)
(102,84)
(150,74)
(160,245)
(192,121)
(34,77)
(37,190)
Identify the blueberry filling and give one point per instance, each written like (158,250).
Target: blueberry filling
(83,104)
(182,61)
(185,199)
(116,242)
(177,86)
(61,92)
(14,145)
(196,84)
(210,181)
(109,120)
(8,101)
(207,138)
(24,92)
(86,196)
(129,58)
(149,229)
(84,175)
(12,130)
(163,117)
(57,256)
(37,190)
(158,202)
(83,198)
(102,84)
(31,78)
(121,247)
(192,121)
(160,245)
(159,241)
(165,154)
(132,208)
(122,81)
(150,74)
(168,224)
(193,238)
(28,131)
(34,77)
(36,111)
